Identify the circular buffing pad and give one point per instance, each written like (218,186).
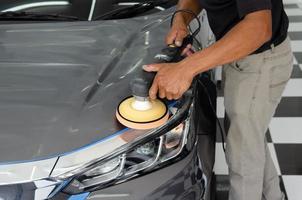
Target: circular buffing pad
(142,119)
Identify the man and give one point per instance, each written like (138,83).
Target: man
(253,47)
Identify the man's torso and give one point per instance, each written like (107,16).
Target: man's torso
(223,15)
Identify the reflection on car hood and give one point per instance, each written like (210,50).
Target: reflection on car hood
(46,71)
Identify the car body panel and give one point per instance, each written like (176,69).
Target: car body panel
(47,71)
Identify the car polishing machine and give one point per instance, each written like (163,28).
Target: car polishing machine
(139,111)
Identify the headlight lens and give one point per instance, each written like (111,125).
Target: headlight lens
(104,168)
(144,158)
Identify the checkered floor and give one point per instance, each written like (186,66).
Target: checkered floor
(285,130)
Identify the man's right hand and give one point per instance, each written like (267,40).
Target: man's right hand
(178,31)
(181,20)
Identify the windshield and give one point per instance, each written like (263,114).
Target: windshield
(89,10)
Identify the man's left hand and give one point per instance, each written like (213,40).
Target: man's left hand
(171,80)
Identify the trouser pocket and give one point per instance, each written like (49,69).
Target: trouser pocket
(280,75)
(249,64)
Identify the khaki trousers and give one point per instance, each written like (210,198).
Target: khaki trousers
(253,88)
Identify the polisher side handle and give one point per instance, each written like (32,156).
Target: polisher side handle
(141,84)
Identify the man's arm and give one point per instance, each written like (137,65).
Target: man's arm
(245,38)
(173,79)
(179,28)
(192,5)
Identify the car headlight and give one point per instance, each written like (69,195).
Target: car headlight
(164,146)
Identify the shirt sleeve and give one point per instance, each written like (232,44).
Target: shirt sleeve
(248,6)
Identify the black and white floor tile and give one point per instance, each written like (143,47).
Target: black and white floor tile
(285,130)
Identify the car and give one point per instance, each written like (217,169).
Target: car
(57,144)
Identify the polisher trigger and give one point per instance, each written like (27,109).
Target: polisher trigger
(172,53)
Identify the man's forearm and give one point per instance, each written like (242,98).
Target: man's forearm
(192,5)
(246,37)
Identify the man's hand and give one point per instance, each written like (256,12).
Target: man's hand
(181,20)
(178,32)
(171,80)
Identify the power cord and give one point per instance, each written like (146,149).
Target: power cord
(215,114)
(194,34)
(189,12)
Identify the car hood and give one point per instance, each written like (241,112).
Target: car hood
(47,70)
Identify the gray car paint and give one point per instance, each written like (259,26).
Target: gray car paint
(75,53)
(46,71)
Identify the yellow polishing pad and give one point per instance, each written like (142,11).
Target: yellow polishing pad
(158,110)
(155,116)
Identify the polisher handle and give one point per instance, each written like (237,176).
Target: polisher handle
(141,84)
